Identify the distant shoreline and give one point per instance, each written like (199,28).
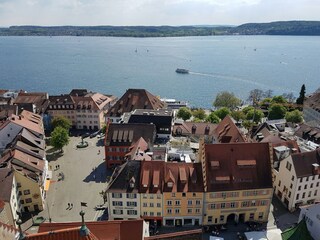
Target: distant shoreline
(285,28)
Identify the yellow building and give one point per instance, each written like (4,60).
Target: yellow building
(182,194)
(237,182)
(30,191)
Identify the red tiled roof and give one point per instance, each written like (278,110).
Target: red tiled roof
(228,132)
(135,99)
(303,162)
(241,166)
(194,128)
(152,175)
(61,234)
(104,230)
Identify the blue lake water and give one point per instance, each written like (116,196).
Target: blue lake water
(112,65)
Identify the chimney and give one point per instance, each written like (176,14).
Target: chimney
(315,169)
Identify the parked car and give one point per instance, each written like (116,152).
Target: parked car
(92,135)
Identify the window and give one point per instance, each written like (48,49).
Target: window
(151,196)
(19,193)
(260,215)
(158,196)
(232,205)
(177,210)
(169,210)
(279,183)
(263,202)
(301,179)
(145,213)
(26,192)
(291,185)
(253,202)
(251,216)
(116,203)
(221,218)
(194,194)
(145,204)
(297,197)
(305,186)
(21,201)
(117,212)
(28,200)
(311,185)
(197,210)
(292,178)
(309,194)
(209,219)
(131,195)
(183,194)
(288,166)
(117,195)
(212,206)
(189,210)
(173,194)
(151,213)
(132,212)
(299,188)
(189,202)
(317,185)
(289,195)
(223,205)
(158,204)
(131,204)
(178,202)
(303,195)
(255,193)
(158,214)
(169,202)
(223,195)
(198,202)
(315,192)
(151,204)
(144,195)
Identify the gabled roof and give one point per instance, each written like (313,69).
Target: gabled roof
(237,166)
(27,100)
(135,99)
(194,128)
(297,233)
(104,230)
(185,177)
(28,137)
(28,120)
(127,134)
(61,99)
(151,176)
(227,131)
(93,101)
(6,180)
(123,175)
(137,150)
(23,159)
(302,162)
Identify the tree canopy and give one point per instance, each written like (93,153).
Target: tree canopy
(277,111)
(302,94)
(222,112)
(255,115)
(59,138)
(226,99)
(294,116)
(278,99)
(238,115)
(255,96)
(199,114)
(213,118)
(61,121)
(184,113)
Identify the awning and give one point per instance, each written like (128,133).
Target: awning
(46,185)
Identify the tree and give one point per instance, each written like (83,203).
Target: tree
(266,101)
(61,121)
(199,113)
(213,118)
(247,124)
(222,112)
(184,113)
(294,116)
(245,110)
(289,97)
(226,99)
(302,94)
(238,115)
(255,115)
(255,96)
(277,111)
(278,99)
(268,94)
(59,138)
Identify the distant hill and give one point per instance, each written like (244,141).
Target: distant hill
(308,28)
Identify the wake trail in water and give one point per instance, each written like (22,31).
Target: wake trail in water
(220,76)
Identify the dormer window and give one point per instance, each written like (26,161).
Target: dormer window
(170,184)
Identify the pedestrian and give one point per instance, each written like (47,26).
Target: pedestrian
(68,205)
(71,205)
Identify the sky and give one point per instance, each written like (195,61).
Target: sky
(154,12)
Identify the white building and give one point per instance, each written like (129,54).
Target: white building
(311,214)
(122,193)
(297,180)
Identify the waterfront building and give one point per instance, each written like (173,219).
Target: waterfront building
(131,100)
(237,182)
(297,179)
(121,139)
(35,102)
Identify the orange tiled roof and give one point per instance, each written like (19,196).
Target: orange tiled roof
(61,234)
(228,132)
(28,120)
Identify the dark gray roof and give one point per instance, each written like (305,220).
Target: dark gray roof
(303,162)
(6,180)
(123,175)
